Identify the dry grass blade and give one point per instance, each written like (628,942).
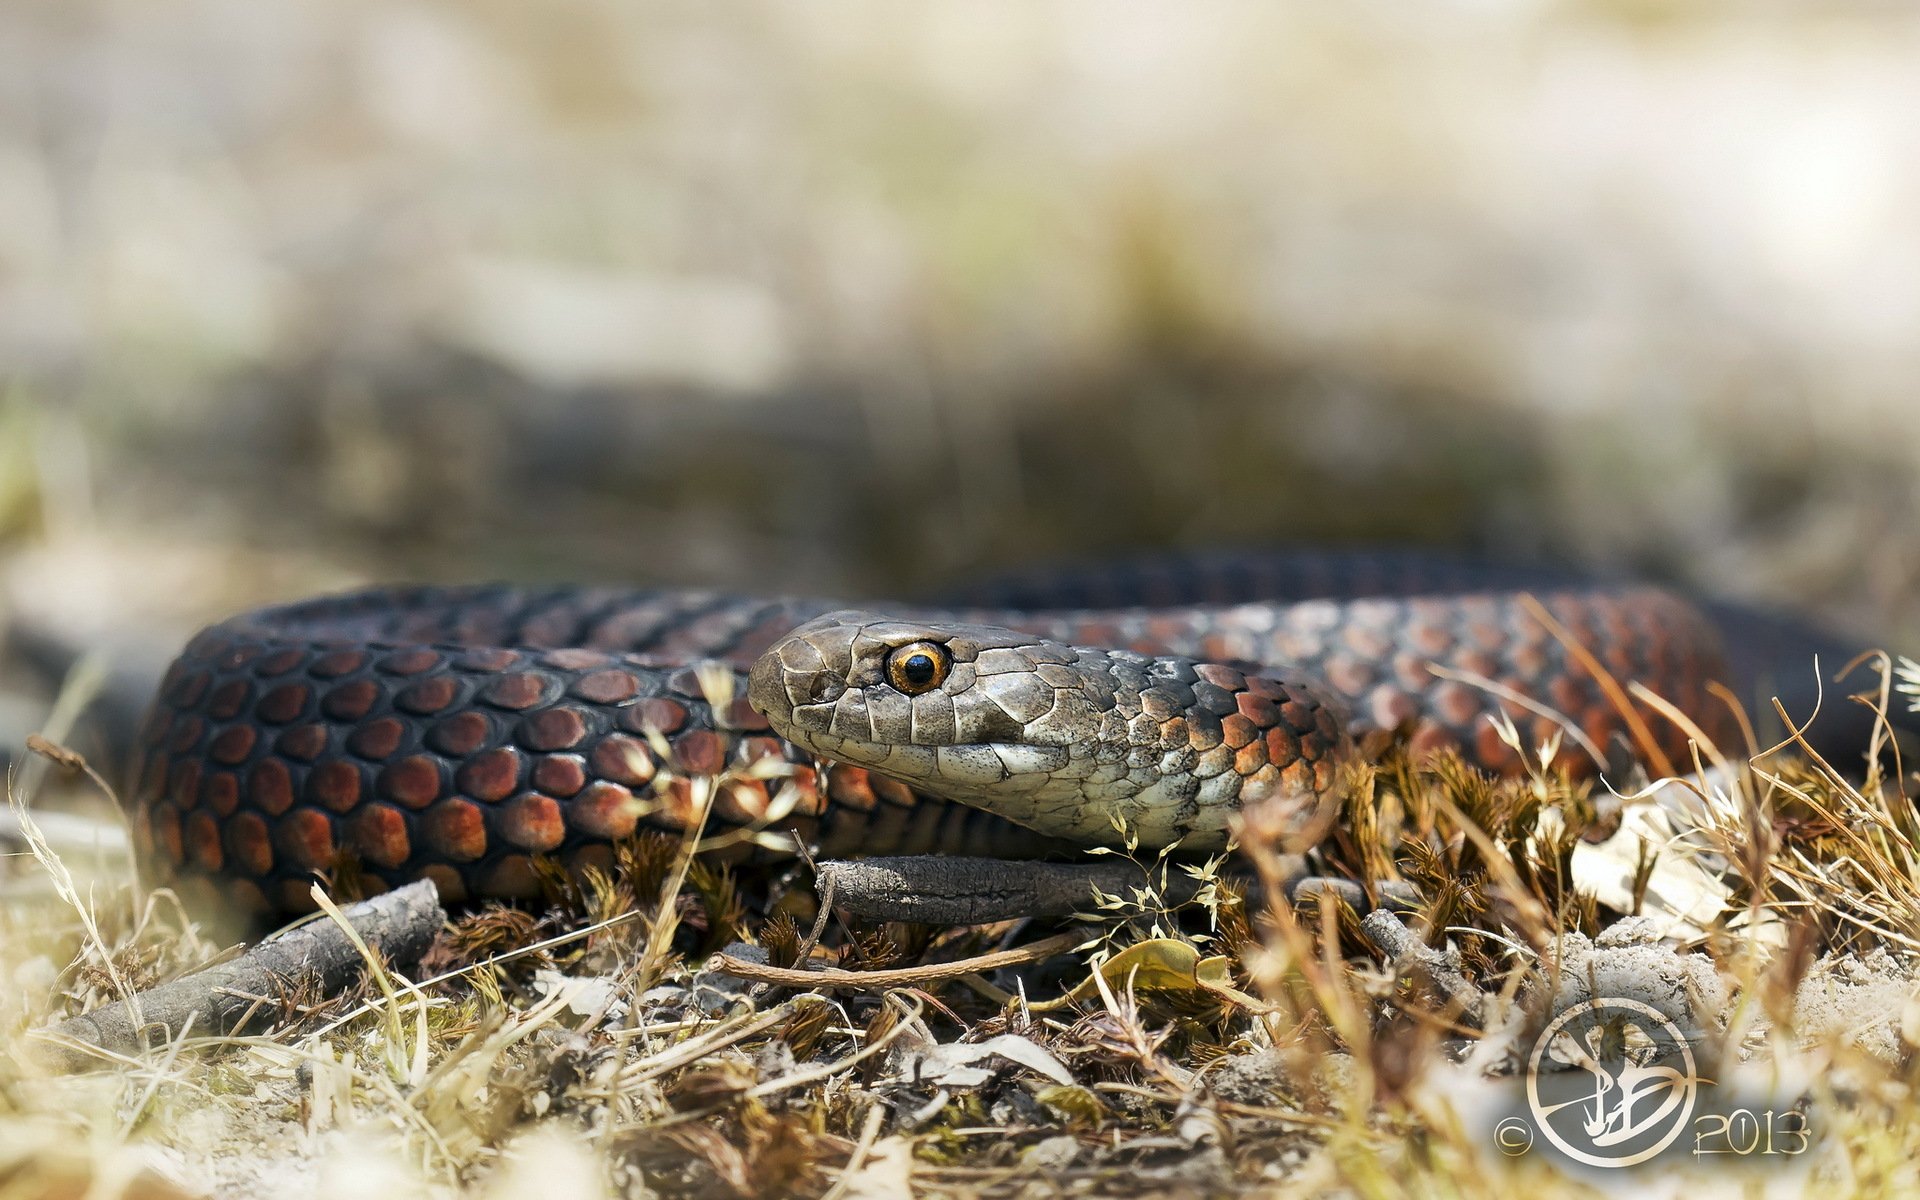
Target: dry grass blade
(896,977)
(1645,743)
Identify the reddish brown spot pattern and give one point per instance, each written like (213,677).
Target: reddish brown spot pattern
(283,704)
(761,749)
(741,801)
(304,837)
(1266,688)
(590,857)
(623,759)
(455,829)
(164,827)
(303,742)
(1250,758)
(850,787)
(1237,731)
(485,659)
(1429,737)
(460,734)
(1477,661)
(553,729)
(270,787)
(810,801)
(1601,725)
(1282,746)
(293,895)
(741,714)
(413,781)
(352,700)
(427,696)
(377,739)
(573,659)
(451,885)
(492,776)
(676,809)
(1453,703)
(203,841)
(188,689)
(280,662)
(186,733)
(232,746)
(1349,675)
(1256,709)
(1326,725)
(408,662)
(516,691)
(153,774)
(183,783)
(532,822)
(220,792)
(379,835)
(247,840)
(560,774)
(335,663)
(604,810)
(1494,754)
(245,896)
(891,791)
(1298,777)
(1429,637)
(1299,715)
(701,752)
(1528,660)
(1541,730)
(1521,690)
(512,878)
(1366,641)
(655,715)
(334,785)
(228,699)
(606,687)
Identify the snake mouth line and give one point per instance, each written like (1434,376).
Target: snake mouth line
(955,763)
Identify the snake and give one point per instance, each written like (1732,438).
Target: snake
(472,734)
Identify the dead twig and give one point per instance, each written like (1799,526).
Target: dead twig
(318,955)
(936,889)
(1410,956)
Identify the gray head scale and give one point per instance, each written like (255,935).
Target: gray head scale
(1073,742)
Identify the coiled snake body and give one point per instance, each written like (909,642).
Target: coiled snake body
(458,733)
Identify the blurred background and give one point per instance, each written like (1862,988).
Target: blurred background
(862,299)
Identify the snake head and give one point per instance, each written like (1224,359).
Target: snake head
(1070,741)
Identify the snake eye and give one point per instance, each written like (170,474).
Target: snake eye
(919,667)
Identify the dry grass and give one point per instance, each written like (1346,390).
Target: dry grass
(1181,1051)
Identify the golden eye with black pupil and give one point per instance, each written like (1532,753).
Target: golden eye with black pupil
(919,667)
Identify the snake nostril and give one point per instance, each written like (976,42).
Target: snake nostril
(813,687)
(823,687)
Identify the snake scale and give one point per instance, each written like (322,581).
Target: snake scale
(458,733)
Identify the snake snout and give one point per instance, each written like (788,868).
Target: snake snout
(776,688)
(794,674)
